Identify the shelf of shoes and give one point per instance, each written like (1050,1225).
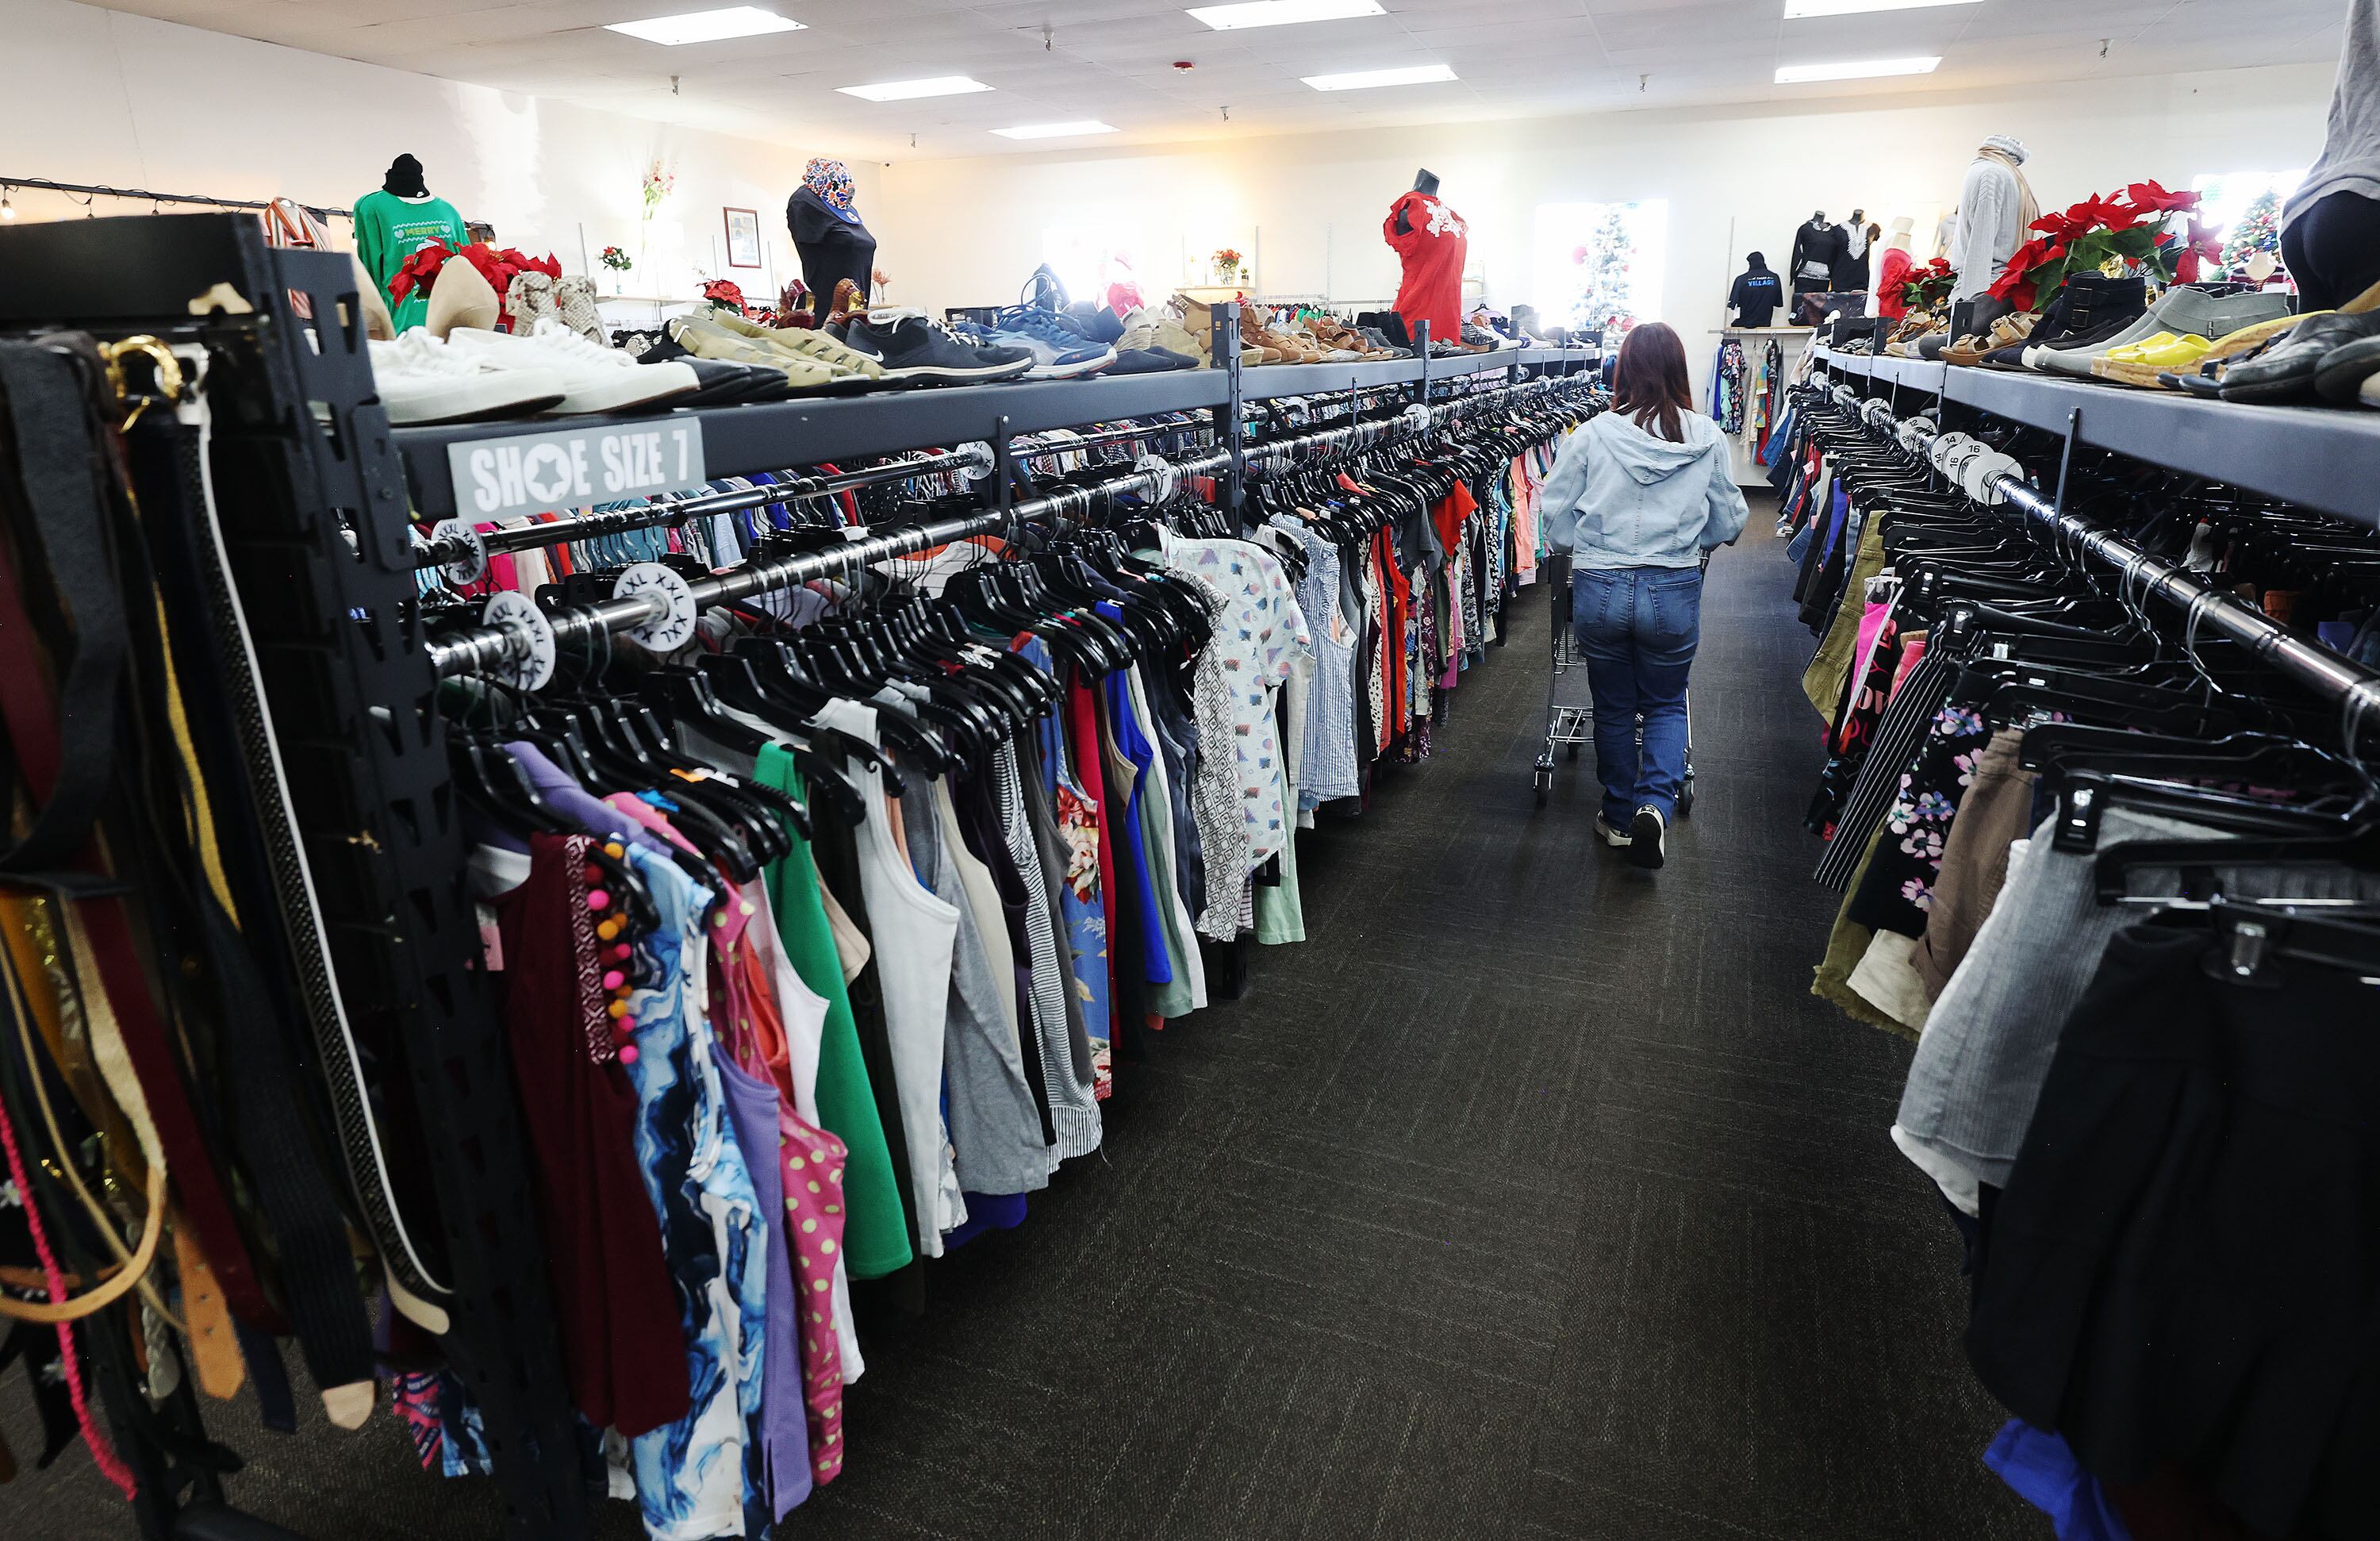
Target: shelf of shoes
(2324,459)
(765,435)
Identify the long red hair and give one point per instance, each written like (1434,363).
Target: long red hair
(1650,384)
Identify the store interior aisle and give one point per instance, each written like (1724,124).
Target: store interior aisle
(1533,1197)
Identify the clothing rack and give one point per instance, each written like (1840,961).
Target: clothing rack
(466,548)
(2354,687)
(504,640)
(460,546)
(138,195)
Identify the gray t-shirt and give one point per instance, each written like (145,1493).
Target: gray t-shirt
(2350,146)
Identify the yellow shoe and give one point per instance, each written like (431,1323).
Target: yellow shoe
(2162,353)
(2165,349)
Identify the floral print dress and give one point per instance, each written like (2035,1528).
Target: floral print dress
(1899,888)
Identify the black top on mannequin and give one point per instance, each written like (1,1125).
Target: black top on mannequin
(1424,181)
(404,179)
(832,245)
(1819,245)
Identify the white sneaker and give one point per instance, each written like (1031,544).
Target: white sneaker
(421,379)
(1618,838)
(594,378)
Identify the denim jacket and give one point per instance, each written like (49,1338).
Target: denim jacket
(1621,497)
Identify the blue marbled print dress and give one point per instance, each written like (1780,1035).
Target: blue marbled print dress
(691,1475)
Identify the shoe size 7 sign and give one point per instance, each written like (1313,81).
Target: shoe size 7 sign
(531,473)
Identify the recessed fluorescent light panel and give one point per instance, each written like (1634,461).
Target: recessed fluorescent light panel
(1280,13)
(1795,9)
(736,21)
(1364,79)
(1856,69)
(1055,130)
(909,90)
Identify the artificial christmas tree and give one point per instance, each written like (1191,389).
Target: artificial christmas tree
(2259,230)
(1604,298)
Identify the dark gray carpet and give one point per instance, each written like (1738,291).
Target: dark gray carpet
(1533,1197)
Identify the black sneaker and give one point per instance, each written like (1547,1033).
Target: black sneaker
(1647,838)
(1149,360)
(925,352)
(725,382)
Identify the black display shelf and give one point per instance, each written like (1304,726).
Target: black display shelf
(762,436)
(2320,457)
(1917,374)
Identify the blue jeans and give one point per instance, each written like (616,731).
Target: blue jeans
(1637,629)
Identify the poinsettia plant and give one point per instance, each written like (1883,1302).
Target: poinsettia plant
(499,266)
(2128,229)
(1925,286)
(726,296)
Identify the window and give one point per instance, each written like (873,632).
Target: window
(1097,249)
(1600,264)
(2224,196)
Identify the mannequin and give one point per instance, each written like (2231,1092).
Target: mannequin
(1995,209)
(1424,181)
(1431,241)
(1851,268)
(1892,274)
(1817,245)
(828,235)
(396,219)
(1758,292)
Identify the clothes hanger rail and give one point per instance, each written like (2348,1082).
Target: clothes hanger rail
(474,651)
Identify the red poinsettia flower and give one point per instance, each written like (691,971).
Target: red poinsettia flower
(2152,198)
(726,294)
(2095,213)
(2062,225)
(419,270)
(2204,244)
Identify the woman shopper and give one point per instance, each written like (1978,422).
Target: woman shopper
(1638,494)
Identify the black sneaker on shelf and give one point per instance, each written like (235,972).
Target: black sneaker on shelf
(925,352)
(1149,360)
(726,383)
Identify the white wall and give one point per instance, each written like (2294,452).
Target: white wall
(1314,203)
(102,97)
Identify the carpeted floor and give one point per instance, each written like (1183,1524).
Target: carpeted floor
(1534,1196)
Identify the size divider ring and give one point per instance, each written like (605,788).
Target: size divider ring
(973,460)
(469,569)
(1159,471)
(673,628)
(1418,417)
(527,628)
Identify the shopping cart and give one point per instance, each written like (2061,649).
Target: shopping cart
(1568,725)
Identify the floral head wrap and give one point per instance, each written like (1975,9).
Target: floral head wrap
(829,181)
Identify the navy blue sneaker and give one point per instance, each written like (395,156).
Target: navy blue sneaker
(1060,350)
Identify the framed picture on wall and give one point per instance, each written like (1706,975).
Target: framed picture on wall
(743,237)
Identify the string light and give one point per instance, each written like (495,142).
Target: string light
(7,210)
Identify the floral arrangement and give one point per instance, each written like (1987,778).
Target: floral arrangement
(2125,231)
(726,296)
(497,265)
(1925,287)
(658,184)
(616,259)
(1226,257)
